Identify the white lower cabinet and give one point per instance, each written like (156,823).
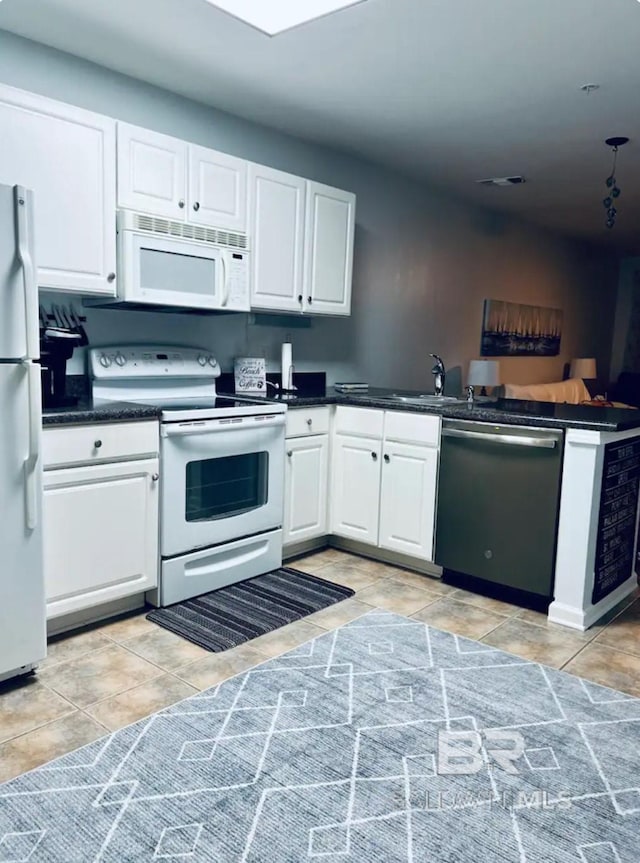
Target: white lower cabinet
(408,498)
(305,509)
(383,488)
(355,487)
(100,530)
(306,475)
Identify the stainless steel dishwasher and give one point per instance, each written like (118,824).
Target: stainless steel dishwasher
(498,499)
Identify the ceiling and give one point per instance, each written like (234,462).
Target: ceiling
(447,90)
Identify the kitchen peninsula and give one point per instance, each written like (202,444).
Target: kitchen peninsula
(598,508)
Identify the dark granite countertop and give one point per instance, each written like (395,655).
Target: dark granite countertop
(86,412)
(504,411)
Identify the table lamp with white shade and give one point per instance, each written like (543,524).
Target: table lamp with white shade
(583,367)
(484,373)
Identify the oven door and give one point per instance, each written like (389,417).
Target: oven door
(221,480)
(171,272)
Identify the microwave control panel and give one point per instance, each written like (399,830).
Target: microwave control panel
(238,281)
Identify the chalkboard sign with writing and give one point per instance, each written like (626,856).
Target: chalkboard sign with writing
(249,374)
(617,520)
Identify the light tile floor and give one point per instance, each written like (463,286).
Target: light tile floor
(115,673)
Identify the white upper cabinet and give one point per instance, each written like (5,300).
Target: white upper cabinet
(67,157)
(152,172)
(168,177)
(330,224)
(302,244)
(217,189)
(277,212)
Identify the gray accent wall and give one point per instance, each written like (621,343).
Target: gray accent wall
(423,265)
(625,353)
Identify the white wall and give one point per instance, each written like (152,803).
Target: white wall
(423,262)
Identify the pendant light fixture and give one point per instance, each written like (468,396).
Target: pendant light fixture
(613,190)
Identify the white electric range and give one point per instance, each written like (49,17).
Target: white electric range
(221,467)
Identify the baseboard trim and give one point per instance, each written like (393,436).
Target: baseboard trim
(391,557)
(87,616)
(582,619)
(296,549)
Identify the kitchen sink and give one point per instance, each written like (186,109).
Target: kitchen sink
(423,399)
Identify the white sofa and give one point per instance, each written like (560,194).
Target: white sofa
(572,391)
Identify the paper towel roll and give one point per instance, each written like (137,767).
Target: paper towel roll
(287,366)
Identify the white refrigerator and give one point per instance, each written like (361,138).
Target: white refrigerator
(23,640)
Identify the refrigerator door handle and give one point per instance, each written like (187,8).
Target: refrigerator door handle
(31,461)
(22,202)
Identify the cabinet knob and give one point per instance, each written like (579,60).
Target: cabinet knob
(289,453)
(387,459)
(309,422)
(97,444)
(300,298)
(374,456)
(111,277)
(181,204)
(309,300)
(155,477)
(196,206)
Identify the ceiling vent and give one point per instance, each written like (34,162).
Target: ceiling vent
(502,181)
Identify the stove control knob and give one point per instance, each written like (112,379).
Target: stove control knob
(202,360)
(212,362)
(105,361)
(120,360)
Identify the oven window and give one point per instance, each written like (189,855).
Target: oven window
(176,273)
(223,487)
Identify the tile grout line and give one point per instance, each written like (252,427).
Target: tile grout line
(42,725)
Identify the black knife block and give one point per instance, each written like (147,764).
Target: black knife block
(54,354)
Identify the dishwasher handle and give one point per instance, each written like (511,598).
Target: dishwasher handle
(502,438)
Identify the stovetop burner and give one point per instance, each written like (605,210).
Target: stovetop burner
(201,404)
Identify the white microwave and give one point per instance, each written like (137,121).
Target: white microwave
(176,264)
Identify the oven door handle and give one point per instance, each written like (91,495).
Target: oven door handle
(182,431)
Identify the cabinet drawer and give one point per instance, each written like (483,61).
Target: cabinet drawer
(412,428)
(363,422)
(307,421)
(96,443)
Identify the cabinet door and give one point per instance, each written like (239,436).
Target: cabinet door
(152,172)
(67,157)
(276,215)
(100,534)
(408,499)
(355,487)
(305,499)
(328,267)
(217,189)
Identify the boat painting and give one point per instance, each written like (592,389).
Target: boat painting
(516,330)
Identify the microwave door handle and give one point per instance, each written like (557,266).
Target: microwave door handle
(225,279)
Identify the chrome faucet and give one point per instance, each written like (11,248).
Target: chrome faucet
(439,375)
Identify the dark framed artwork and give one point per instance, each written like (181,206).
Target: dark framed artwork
(517,330)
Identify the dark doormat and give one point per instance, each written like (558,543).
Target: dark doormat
(232,615)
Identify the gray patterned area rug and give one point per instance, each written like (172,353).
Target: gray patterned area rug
(383,741)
